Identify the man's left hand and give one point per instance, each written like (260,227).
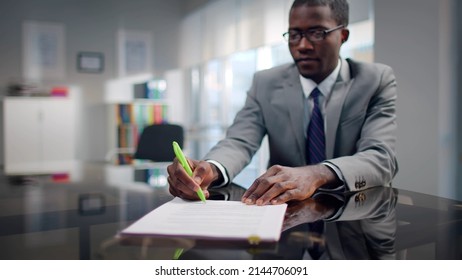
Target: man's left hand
(280,184)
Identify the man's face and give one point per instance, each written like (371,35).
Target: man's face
(315,60)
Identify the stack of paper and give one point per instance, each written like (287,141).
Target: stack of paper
(231,220)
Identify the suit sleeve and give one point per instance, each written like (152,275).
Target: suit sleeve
(374,162)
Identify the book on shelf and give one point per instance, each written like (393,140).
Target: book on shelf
(154,89)
(124,158)
(127,135)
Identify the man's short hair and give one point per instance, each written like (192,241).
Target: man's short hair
(339,8)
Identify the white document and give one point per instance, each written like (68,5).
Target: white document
(212,220)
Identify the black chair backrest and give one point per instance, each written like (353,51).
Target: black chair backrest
(155,142)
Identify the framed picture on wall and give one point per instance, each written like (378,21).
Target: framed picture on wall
(90,62)
(43,51)
(134,49)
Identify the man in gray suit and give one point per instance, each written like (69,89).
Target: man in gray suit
(355,107)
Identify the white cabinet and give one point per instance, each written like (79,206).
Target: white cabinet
(39,134)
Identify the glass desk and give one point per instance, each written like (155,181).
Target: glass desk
(78,216)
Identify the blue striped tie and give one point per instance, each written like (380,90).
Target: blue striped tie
(315,140)
(316,153)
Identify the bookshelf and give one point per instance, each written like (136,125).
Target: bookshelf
(131,120)
(144,103)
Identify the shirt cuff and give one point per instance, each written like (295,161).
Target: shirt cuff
(222,170)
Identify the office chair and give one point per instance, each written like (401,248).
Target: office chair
(155,142)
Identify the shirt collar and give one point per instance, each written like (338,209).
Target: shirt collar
(325,87)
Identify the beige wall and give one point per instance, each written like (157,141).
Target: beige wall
(415,37)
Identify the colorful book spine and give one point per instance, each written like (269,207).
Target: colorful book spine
(164,113)
(133,118)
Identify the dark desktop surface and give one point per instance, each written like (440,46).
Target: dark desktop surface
(69,217)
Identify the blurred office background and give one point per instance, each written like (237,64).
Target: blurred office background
(207,52)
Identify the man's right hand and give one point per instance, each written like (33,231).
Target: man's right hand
(184,186)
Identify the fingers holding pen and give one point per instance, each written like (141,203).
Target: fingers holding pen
(200,173)
(180,183)
(183,185)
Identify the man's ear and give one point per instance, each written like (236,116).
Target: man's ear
(345,35)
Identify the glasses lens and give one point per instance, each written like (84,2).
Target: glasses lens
(316,35)
(293,37)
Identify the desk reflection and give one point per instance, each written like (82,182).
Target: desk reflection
(359,225)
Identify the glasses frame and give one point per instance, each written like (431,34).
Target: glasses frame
(322,34)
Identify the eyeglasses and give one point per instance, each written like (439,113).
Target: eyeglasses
(294,36)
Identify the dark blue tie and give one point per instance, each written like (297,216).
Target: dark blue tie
(315,140)
(316,153)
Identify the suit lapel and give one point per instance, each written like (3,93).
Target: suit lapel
(295,100)
(334,107)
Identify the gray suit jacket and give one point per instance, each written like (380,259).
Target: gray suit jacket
(360,124)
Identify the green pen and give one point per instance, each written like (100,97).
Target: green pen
(177,253)
(180,156)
